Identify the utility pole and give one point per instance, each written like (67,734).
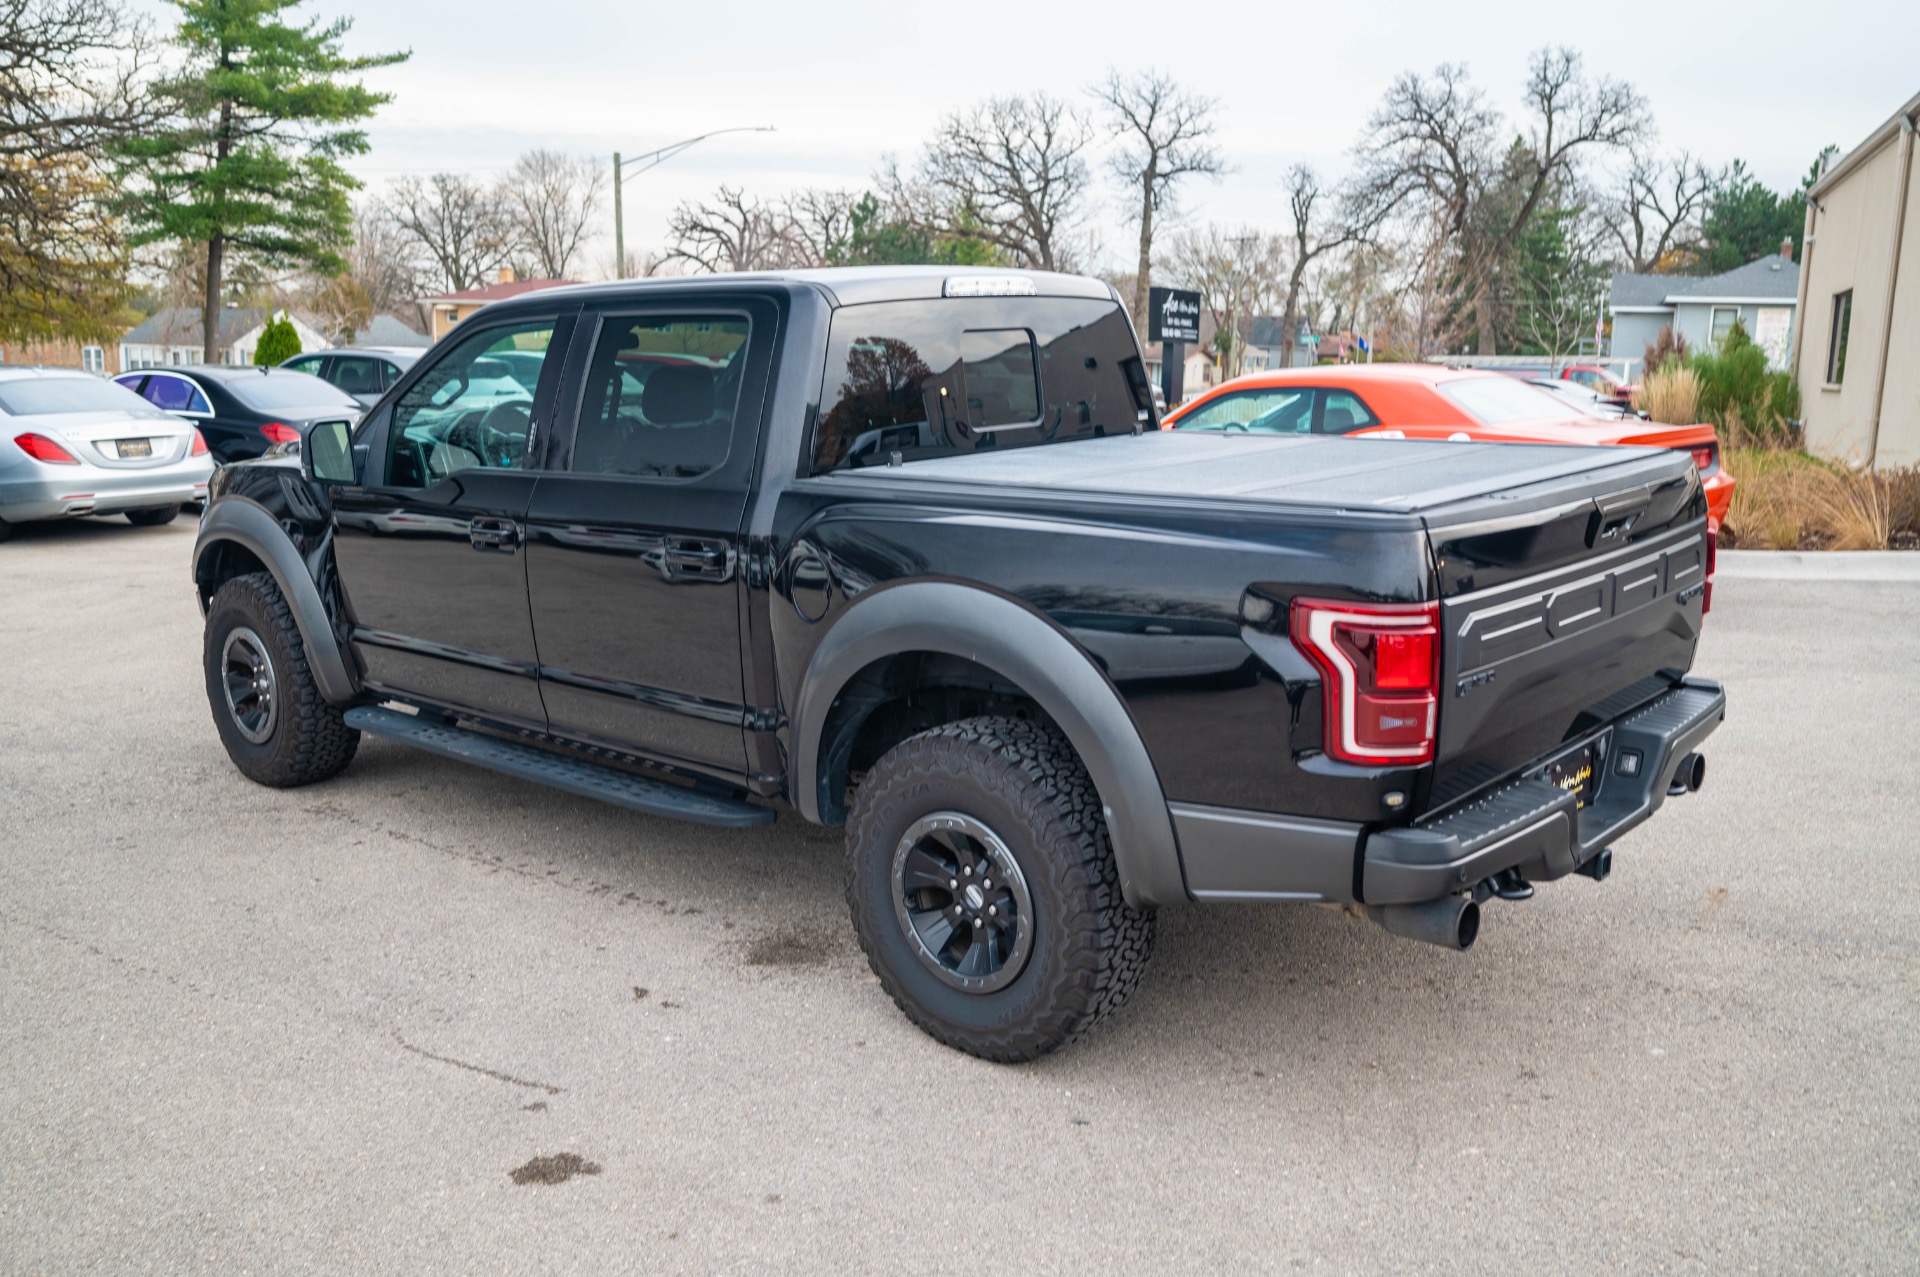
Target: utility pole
(652,159)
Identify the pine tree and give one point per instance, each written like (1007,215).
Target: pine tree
(278,343)
(249,163)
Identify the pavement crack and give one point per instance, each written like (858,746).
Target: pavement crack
(495,1074)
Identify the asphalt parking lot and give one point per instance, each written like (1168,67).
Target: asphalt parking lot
(244,1030)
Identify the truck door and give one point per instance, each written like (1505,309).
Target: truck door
(430,550)
(634,536)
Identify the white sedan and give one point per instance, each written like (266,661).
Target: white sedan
(72,444)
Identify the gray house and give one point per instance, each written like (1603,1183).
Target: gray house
(1761,294)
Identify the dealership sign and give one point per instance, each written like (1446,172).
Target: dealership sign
(1173,314)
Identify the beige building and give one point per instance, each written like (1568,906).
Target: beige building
(1857,347)
(448,309)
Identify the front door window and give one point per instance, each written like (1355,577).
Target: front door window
(473,408)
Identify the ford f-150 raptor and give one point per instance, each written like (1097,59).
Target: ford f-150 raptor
(901,550)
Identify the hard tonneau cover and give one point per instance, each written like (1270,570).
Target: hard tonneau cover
(1399,476)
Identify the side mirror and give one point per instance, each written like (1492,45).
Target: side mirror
(327,453)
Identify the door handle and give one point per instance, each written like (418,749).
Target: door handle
(707,560)
(502,535)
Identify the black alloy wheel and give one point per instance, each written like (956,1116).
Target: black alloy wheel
(959,893)
(247,678)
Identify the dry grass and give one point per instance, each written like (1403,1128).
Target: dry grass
(1670,395)
(1788,500)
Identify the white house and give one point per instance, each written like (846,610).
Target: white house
(172,336)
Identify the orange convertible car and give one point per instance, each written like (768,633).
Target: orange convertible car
(1424,401)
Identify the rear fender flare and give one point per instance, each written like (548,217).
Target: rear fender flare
(1028,650)
(246,524)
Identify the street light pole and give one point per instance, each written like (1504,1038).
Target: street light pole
(619,225)
(653,159)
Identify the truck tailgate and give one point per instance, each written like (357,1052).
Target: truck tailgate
(1561,618)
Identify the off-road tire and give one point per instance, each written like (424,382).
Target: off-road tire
(6,529)
(1024,781)
(153,518)
(310,741)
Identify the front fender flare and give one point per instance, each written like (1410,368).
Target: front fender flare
(1028,650)
(248,525)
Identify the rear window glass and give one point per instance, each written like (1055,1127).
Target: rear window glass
(51,396)
(288,389)
(1497,400)
(957,375)
(1003,386)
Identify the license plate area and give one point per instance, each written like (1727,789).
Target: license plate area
(1578,770)
(129,449)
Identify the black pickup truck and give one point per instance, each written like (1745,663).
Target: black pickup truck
(903,550)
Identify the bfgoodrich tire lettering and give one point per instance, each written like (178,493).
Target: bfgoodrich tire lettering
(1087,947)
(304,739)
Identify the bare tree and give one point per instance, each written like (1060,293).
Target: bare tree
(1436,142)
(1350,221)
(819,225)
(1008,171)
(1165,135)
(1238,275)
(457,224)
(733,231)
(383,277)
(1657,208)
(552,198)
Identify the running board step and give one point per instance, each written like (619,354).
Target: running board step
(575,776)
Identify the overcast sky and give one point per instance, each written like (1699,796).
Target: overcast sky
(845,82)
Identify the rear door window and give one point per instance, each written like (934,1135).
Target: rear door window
(356,375)
(957,375)
(660,396)
(175,394)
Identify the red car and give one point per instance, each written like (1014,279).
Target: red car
(1425,401)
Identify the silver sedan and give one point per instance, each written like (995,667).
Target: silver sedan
(73,444)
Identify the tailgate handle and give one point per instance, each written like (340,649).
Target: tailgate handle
(1613,517)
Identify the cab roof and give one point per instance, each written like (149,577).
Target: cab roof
(843,285)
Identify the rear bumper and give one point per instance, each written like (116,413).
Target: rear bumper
(1525,824)
(50,492)
(1533,826)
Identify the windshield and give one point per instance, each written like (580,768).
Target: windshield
(285,388)
(41,396)
(1498,400)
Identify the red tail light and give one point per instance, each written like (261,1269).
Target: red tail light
(277,433)
(1706,456)
(199,445)
(1381,667)
(41,448)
